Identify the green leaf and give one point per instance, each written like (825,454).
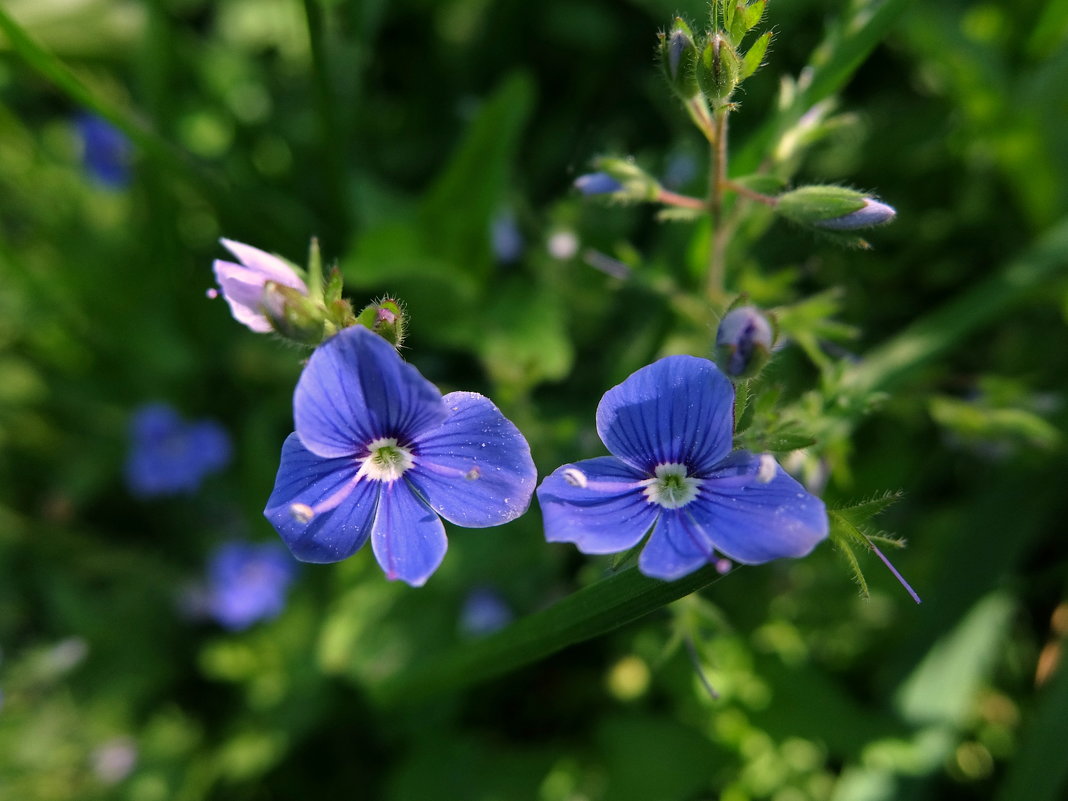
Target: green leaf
(862,511)
(754,56)
(455,215)
(583,615)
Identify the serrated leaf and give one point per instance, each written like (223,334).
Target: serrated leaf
(844,547)
(754,56)
(861,511)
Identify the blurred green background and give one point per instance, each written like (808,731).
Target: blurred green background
(399,133)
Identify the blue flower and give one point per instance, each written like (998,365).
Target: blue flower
(484,612)
(105,150)
(247,583)
(169,456)
(670,427)
(379,453)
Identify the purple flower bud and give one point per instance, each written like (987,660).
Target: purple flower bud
(743,342)
(597,183)
(873,213)
(243,284)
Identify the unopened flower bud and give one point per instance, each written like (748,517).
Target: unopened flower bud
(717,69)
(621,178)
(872,213)
(743,342)
(833,208)
(386,318)
(678,58)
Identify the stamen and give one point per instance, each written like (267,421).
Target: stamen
(473,474)
(575,477)
(301,512)
(767,469)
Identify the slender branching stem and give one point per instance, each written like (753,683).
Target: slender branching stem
(699,113)
(717,182)
(669,198)
(746,192)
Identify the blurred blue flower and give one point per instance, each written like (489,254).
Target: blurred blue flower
(243,284)
(169,456)
(484,612)
(597,183)
(505,238)
(670,428)
(379,453)
(106,151)
(247,583)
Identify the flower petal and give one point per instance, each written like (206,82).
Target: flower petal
(679,409)
(243,291)
(754,511)
(356,389)
(408,538)
(597,504)
(475,469)
(343,521)
(267,266)
(677,546)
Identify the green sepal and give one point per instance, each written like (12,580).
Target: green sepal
(334,287)
(809,205)
(754,56)
(292,314)
(717,69)
(743,18)
(315,271)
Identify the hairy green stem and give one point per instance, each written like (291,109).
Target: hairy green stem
(717,182)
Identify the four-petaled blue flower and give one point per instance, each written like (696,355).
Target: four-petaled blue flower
(670,427)
(247,583)
(169,456)
(379,453)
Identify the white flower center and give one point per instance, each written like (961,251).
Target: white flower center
(387,461)
(671,488)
